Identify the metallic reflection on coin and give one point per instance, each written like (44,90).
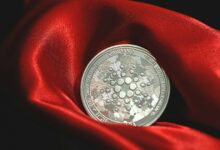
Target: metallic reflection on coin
(124,84)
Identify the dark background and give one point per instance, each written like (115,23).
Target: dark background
(24,127)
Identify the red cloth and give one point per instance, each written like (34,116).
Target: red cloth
(59,39)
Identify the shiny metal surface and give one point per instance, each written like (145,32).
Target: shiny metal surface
(124,84)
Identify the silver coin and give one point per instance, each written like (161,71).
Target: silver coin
(124,84)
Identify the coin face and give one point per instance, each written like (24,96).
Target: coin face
(124,84)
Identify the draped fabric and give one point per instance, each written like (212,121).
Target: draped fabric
(55,40)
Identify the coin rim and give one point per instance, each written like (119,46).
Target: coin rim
(144,50)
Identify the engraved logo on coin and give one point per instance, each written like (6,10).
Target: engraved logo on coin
(124,84)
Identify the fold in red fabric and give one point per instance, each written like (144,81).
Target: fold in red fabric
(60,38)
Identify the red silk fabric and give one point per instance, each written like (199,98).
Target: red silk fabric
(59,39)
